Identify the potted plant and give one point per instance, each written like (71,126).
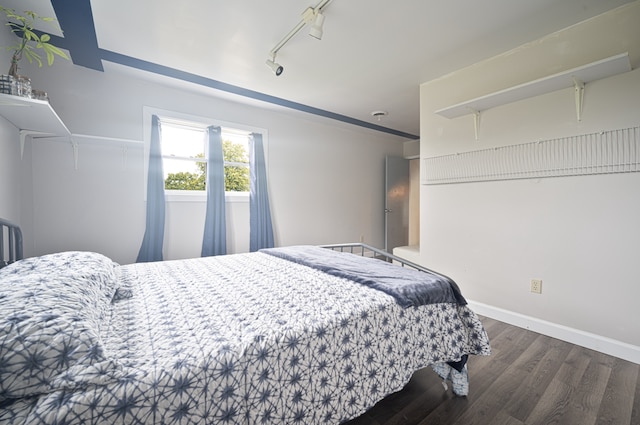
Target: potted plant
(22,25)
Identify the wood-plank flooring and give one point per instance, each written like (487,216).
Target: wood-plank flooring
(529,379)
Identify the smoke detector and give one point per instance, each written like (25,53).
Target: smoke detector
(379,114)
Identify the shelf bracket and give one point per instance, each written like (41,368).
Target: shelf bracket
(125,151)
(578,87)
(29,133)
(476,122)
(74,146)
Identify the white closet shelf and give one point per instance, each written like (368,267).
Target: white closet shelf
(34,118)
(38,120)
(32,115)
(575,77)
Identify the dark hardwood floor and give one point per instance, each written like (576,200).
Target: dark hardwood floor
(528,379)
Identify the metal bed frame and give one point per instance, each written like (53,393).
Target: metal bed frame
(365,250)
(10,243)
(11,249)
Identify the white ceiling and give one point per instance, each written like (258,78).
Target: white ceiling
(373,56)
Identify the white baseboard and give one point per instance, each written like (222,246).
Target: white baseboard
(595,342)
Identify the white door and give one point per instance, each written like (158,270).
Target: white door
(396,207)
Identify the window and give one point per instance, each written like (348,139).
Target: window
(184,156)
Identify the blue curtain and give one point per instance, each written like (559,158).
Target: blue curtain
(214,241)
(151,249)
(261,230)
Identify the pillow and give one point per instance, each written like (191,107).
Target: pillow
(35,348)
(71,295)
(96,269)
(52,309)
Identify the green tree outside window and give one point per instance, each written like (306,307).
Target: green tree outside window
(236,172)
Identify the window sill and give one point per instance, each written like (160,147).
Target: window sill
(200,196)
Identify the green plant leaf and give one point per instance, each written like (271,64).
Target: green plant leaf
(32,56)
(50,57)
(55,50)
(30,35)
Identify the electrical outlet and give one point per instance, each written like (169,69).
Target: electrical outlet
(536,286)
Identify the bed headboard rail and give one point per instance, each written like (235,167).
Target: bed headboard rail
(10,243)
(365,250)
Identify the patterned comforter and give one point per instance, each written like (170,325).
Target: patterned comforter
(238,339)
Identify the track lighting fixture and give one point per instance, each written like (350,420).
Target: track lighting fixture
(275,67)
(316,27)
(313,17)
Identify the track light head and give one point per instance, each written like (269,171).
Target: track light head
(316,26)
(275,67)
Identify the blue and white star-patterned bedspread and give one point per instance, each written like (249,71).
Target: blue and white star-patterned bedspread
(238,339)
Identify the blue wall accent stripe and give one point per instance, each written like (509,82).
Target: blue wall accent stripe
(229,88)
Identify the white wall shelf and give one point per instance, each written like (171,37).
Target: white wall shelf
(33,118)
(576,77)
(38,120)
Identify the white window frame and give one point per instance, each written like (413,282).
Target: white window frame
(193,195)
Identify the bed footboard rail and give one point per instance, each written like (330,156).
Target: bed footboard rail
(365,250)
(10,243)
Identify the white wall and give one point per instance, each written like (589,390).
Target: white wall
(578,234)
(9,172)
(10,181)
(325,179)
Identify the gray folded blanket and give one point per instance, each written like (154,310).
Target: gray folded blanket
(409,287)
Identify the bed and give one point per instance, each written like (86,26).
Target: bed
(308,335)
(10,243)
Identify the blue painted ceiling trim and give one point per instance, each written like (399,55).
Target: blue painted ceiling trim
(229,88)
(76,21)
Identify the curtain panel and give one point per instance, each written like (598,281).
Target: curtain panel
(261,229)
(214,241)
(151,248)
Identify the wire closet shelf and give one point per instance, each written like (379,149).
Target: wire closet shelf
(606,152)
